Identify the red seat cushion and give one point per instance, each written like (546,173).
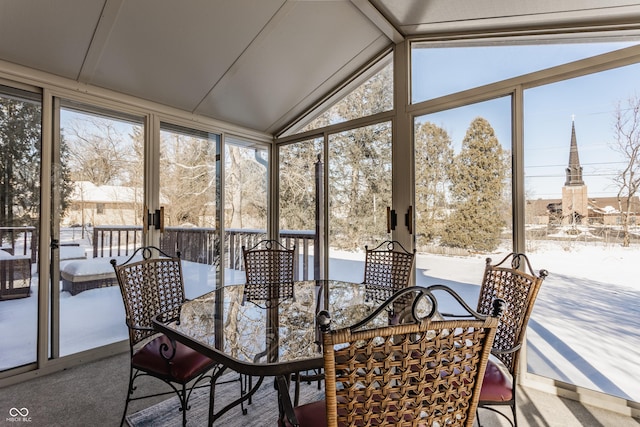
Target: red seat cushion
(185,364)
(310,415)
(496,385)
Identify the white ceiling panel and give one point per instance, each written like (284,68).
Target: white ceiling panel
(255,63)
(174,52)
(308,45)
(51,36)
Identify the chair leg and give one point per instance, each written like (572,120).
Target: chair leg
(129,393)
(296,391)
(245,380)
(184,406)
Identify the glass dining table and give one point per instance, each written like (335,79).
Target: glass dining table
(272,337)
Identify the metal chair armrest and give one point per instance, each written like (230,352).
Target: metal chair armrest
(496,351)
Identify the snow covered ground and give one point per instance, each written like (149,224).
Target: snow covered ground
(585,328)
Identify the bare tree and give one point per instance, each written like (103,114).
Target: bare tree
(433,158)
(96,151)
(627,143)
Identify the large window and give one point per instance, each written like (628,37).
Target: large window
(190,195)
(373,96)
(100,188)
(578,156)
(359,176)
(246,200)
(582,139)
(20,148)
(462,192)
(442,70)
(301,196)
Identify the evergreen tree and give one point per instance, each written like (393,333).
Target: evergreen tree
(19,162)
(360,166)
(298,185)
(477,184)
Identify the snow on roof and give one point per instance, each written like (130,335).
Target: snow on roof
(89,192)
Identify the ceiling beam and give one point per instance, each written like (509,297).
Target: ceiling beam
(99,40)
(374,15)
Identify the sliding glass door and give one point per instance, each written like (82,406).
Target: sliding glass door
(97,216)
(190,199)
(359,195)
(20,163)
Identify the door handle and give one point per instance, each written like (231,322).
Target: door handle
(392,219)
(155,219)
(408,219)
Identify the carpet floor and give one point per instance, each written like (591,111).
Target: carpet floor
(263,411)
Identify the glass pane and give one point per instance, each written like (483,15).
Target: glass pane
(462,194)
(582,225)
(190,194)
(372,97)
(245,210)
(101,187)
(300,201)
(439,71)
(20,135)
(359,194)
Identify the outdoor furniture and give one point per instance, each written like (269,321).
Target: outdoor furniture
(268,268)
(151,286)
(15,276)
(387,268)
(423,371)
(273,341)
(514,281)
(83,274)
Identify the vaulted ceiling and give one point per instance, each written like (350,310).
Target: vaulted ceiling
(254,63)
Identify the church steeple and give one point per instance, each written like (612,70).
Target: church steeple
(574,171)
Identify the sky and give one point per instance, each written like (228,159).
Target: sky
(589,101)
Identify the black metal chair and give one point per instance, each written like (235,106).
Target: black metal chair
(269,270)
(387,269)
(151,283)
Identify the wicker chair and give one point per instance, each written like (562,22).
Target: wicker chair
(513,281)
(269,269)
(387,269)
(150,286)
(422,372)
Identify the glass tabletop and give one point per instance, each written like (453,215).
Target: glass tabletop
(274,336)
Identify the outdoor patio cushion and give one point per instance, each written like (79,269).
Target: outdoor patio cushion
(497,384)
(86,270)
(185,364)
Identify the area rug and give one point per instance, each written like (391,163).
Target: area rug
(263,410)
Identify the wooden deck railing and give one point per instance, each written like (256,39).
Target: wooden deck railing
(200,244)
